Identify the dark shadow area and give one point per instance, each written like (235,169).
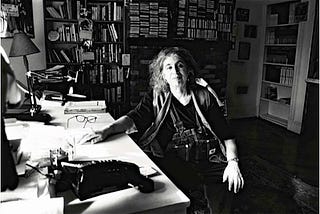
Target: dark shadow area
(281,169)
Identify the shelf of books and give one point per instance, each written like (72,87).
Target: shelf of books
(88,38)
(279,62)
(204,27)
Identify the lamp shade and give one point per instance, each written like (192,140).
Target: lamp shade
(22,45)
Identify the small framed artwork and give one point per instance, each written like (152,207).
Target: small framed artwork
(244,51)
(250,31)
(242,15)
(301,12)
(16,16)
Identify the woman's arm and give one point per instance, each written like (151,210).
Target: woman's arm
(121,125)
(136,120)
(232,172)
(231,149)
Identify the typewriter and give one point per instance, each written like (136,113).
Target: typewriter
(92,178)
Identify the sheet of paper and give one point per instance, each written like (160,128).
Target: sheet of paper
(27,189)
(16,130)
(38,206)
(41,139)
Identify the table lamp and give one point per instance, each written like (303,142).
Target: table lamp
(23,46)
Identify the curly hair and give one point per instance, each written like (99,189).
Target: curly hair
(157,82)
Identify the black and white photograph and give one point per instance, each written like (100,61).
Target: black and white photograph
(242,14)
(178,107)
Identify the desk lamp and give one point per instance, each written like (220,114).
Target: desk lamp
(23,46)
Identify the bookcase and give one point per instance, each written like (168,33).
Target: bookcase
(204,27)
(280,58)
(88,37)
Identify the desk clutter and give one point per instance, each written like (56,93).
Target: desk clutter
(53,153)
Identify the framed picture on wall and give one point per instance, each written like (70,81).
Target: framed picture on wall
(242,15)
(301,12)
(250,31)
(244,51)
(16,15)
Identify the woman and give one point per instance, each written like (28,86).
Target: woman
(173,121)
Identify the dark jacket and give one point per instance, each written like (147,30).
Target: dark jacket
(161,106)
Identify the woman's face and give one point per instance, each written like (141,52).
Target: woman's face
(175,71)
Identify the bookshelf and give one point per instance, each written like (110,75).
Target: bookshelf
(88,37)
(204,27)
(280,58)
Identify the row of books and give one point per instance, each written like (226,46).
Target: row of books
(101,54)
(56,55)
(103,33)
(208,24)
(108,11)
(277,18)
(202,34)
(113,95)
(181,18)
(106,33)
(278,58)
(202,19)
(273,38)
(65,9)
(148,19)
(68,33)
(211,35)
(70,9)
(108,53)
(101,74)
(286,75)
(280,74)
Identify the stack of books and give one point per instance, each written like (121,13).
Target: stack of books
(85,107)
(148,19)
(163,19)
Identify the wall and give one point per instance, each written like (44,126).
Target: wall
(36,61)
(246,72)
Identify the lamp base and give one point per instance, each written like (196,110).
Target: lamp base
(35,109)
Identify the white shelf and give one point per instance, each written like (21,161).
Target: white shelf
(281,45)
(276,83)
(278,64)
(274,101)
(283,25)
(273,119)
(310,80)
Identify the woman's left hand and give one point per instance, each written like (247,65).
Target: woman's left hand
(233,175)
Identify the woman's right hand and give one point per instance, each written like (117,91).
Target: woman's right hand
(99,135)
(93,136)
(121,125)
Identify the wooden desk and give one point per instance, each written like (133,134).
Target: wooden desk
(166,198)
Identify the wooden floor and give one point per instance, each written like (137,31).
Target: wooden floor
(296,154)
